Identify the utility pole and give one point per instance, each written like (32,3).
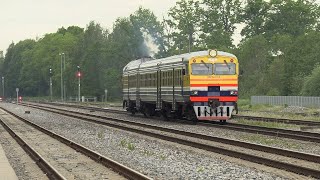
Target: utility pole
(60,54)
(64,78)
(2,87)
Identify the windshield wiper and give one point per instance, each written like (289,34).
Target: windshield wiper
(227,65)
(206,66)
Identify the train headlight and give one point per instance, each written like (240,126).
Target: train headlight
(233,93)
(194,93)
(213,52)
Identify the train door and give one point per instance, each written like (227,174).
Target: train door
(138,100)
(159,100)
(173,90)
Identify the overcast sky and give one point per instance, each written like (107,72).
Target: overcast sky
(23,19)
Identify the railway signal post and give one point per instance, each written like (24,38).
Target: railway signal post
(79,77)
(50,73)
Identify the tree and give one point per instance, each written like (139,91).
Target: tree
(254,57)
(218,22)
(145,24)
(311,84)
(184,20)
(291,17)
(254,16)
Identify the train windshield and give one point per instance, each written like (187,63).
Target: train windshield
(202,68)
(225,69)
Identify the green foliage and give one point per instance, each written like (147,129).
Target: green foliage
(311,84)
(163,157)
(100,134)
(131,146)
(128,145)
(184,23)
(218,22)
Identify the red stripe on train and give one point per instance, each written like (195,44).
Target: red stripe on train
(221,98)
(206,85)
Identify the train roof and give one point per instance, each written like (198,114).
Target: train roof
(142,63)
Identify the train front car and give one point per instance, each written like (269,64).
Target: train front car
(214,85)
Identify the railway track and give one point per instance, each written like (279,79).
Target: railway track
(64,148)
(297,162)
(254,118)
(291,134)
(279,120)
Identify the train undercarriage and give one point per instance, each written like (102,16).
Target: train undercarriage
(188,111)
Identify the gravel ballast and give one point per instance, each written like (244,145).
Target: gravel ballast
(155,158)
(291,144)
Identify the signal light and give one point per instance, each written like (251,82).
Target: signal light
(79,72)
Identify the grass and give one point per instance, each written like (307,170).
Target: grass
(148,153)
(131,146)
(268,124)
(265,110)
(256,138)
(200,169)
(123,143)
(163,157)
(128,145)
(101,134)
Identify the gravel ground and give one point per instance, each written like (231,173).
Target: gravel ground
(21,163)
(296,145)
(155,158)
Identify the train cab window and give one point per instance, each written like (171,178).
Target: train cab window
(202,68)
(224,69)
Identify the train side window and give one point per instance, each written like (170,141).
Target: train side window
(165,78)
(142,80)
(147,80)
(171,78)
(153,79)
(162,76)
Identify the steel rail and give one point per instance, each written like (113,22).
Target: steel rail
(117,167)
(291,134)
(298,135)
(279,120)
(278,151)
(249,157)
(45,166)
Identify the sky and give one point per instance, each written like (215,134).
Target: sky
(29,19)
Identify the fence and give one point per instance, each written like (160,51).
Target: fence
(302,101)
(83,99)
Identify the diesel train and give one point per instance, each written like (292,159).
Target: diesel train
(197,86)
